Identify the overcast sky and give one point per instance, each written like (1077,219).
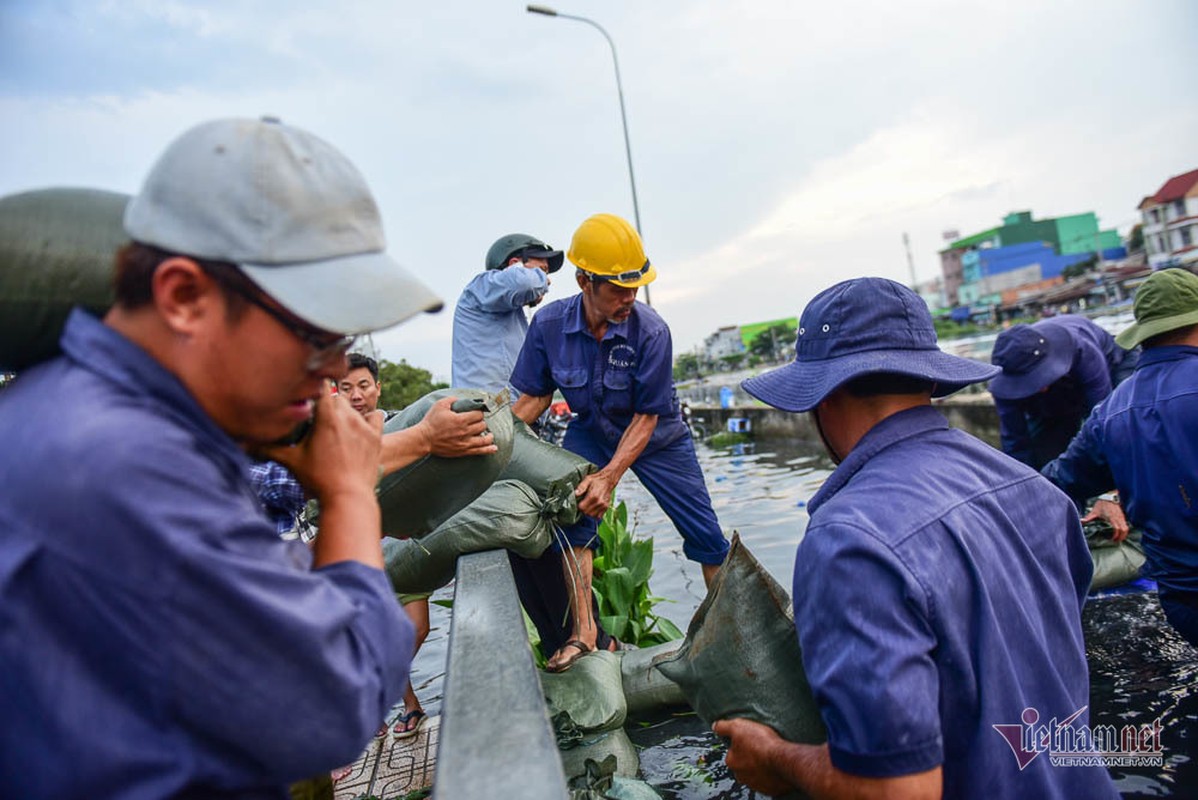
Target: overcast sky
(779,145)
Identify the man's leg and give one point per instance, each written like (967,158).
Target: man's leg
(416,607)
(545,594)
(578,570)
(672,475)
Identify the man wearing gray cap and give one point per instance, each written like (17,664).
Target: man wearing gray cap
(938,587)
(159,639)
(1144,441)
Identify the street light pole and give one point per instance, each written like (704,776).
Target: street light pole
(636,209)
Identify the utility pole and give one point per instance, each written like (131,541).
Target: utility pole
(910,262)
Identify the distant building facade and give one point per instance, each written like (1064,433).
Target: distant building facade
(1170,222)
(980,268)
(724,342)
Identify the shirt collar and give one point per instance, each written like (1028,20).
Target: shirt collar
(895,428)
(575,321)
(1167,352)
(100,349)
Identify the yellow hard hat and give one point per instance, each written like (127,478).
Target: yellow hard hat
(609,248)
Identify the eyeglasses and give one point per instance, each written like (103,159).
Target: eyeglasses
(623,277)
(326,346)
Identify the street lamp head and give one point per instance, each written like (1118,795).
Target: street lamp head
(546,10)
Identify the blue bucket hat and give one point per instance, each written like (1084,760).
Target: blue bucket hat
(860,327)
(1031,357)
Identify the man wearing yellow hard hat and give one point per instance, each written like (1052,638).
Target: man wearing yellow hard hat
(612,359)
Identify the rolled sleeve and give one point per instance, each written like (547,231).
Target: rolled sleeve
(867,644)
(502,290)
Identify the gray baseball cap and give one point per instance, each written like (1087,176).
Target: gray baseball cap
(291,211)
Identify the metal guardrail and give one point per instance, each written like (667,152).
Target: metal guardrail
(496,739)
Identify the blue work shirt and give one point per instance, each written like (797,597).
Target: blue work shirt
(1038,428)
(489,324)
(938,592)
(1144,441)
(605,382)
(157,637)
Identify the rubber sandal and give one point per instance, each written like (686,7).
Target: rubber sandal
(581,648)
(401,725)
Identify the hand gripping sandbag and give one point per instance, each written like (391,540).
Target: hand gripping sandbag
(506,516)
(422,495)
(56,252)
(553,472)
(741,656)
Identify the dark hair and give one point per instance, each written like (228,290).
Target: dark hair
(879,383)
(358,361)
(133,277)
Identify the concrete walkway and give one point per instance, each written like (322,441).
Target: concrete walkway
(392,767)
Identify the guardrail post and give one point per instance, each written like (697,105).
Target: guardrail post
(496,739)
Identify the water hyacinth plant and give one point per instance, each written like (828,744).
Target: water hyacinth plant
(623,566)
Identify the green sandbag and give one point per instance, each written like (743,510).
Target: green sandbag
(599,782)
(56,251)
(645,687)
(425,493)
(1115,563)
(506,516)
(741,656)
(586,699)
(596,748)
(553,472)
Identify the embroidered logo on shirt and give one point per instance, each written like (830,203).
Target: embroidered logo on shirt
(622,356)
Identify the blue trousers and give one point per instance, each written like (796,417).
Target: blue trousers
(672,476)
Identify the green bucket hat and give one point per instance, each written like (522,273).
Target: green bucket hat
(1168,300)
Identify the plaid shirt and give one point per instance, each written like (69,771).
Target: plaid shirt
(283,499)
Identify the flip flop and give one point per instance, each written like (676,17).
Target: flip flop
(581,648)
(402,731)
(341,773)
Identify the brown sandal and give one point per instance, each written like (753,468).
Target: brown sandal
(581,648)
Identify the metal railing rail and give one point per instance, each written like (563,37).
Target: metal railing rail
(496,739)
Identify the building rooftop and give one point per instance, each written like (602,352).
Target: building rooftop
(1175,188)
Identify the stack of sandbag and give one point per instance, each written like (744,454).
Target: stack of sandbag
(586,705)
(506,516)
(56,251)
(419,497)
(552,472)
(741,656)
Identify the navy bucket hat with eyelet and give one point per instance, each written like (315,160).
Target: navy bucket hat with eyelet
(860,327)
(1031,357)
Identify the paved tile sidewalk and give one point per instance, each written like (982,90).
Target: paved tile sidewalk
(393,767)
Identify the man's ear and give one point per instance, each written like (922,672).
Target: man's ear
(184,294)
(582,281)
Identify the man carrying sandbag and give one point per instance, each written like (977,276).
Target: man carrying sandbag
(160,638)
(938,588)
(612,359)
(1144,441)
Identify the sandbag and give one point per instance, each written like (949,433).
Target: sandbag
(56,251)
(741,655)
(1115,563)
(506,516)
(553,472)
(645,687)
(586,699)
(599,782)
(419,497)
(596,748)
